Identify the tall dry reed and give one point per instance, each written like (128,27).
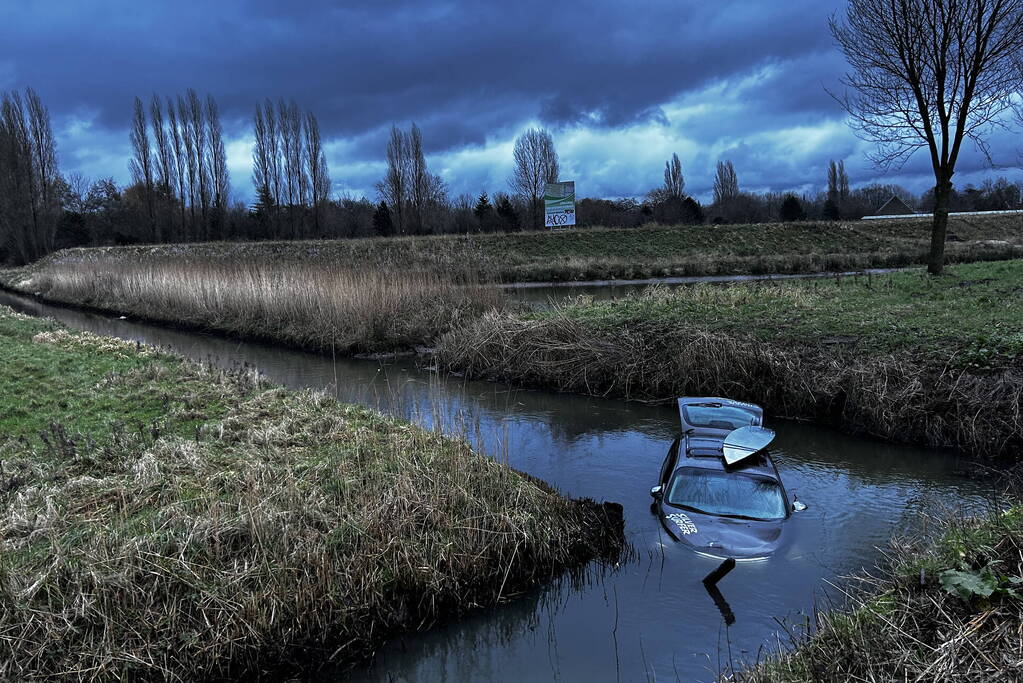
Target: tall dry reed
(319,307)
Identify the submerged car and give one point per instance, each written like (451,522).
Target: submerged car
(719,492)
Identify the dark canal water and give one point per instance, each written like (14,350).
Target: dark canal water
(650,618)
(543,293)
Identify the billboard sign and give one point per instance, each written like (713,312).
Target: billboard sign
(559,204)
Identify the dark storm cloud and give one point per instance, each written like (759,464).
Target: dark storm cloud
(359,64)
(469,73)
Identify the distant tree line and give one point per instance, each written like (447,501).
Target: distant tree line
(289,171)
(180,187)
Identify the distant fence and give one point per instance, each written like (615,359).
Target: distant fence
(953,213)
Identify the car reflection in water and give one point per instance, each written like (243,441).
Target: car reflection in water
(718,509)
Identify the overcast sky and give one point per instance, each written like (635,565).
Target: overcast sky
(620,85)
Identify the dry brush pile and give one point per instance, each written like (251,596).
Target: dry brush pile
(293,528)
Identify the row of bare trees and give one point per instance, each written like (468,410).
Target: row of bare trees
(414,201)
(30,183)
(289,170)
(413,196)
(179,166)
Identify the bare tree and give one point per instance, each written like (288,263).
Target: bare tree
(178,152)
(419,178)
(219,180)
(726,183)
(318,173)
(838,182)
(394,188)
(674,183)
(536,164)
(200,140)
(928,74)
(141,164)
(46,175)
(191,165)
(262,160)
(164,164)
(273,136)
(288,125)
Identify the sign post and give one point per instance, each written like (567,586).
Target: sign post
(559,204)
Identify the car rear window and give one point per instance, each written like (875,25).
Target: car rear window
(718,416)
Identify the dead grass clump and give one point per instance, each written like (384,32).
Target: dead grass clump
(888,396)
(319,307)
(296,527)
(948,612)
(94,343)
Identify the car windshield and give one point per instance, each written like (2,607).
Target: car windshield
(723,493)
(718,416)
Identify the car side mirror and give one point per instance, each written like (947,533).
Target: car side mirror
(656,492)
(798,506)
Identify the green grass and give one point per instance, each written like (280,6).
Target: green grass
(905,623)
(94,392)
(160,519)
(973,313)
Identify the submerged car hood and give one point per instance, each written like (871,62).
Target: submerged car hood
(742,539)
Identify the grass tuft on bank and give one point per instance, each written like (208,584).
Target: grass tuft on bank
(904,357)
(163,520)
(948,611)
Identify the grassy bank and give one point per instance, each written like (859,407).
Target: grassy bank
(313,306)
(904,357)
(163,520)
(951,611)
(599,253)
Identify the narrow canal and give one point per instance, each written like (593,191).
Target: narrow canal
(650,618)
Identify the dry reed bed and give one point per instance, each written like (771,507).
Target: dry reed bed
(890,396)
(316,307)
(294,528)
(902,625)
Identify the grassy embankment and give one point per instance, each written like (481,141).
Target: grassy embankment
(903,357)
(379,295)
(600,253)
(951,611)
(163,520)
